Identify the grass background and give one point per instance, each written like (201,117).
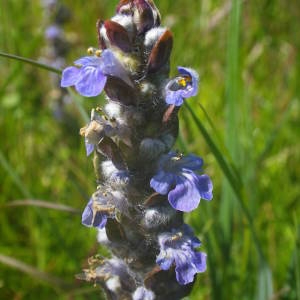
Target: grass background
(247,53)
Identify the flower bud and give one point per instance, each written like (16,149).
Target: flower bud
(127,22)
(161,52)
(110,149)
(117,276)
(117,35)
(117,90)
(101,40)
(157,280)
(158,217)
(151,148)
(152,36)
(145,16)
(124,7)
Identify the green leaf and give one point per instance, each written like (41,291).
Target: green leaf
(42,204)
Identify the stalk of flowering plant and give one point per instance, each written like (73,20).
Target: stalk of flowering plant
(143,188)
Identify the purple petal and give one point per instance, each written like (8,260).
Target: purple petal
(70,76)
(89,148)
(85,61)
(121,176)
(100,220)
(174,97)
(205,186)
(195,242)
(188,262)
(188,231)
(164,260)
(185,197)
(165,158)
(91,83)
(112,66)
(53,32)
(199,260)
(162,182)
(191,162)
(192,89)
(87,215)
(88,219)
(185,270)
(142,293)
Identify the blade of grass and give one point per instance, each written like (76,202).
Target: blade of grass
(265,285)
(212,125)
(232,134)
(14,176)
(31,62)
(234,182)
(227,170)
(220,142)
(264,270)
(43,204)
(231,107)
(76,98)
(35,273)
(232,82)
(297,257)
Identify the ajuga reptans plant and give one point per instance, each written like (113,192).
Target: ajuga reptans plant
(143,187)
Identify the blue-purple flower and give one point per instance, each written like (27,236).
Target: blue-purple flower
(96,130)
(89,148)
(176,177)
(178,247)
(90,73)
(141,293)
(96,213)
(93,133)
(183,86)
(53,32)
(113,267)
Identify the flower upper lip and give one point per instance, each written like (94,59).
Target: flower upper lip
(89,75)
(183,86)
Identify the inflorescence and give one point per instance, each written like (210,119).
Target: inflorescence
(143,188)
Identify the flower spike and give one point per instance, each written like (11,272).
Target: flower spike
(143,187)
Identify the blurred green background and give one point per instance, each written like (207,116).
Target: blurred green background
(247,53)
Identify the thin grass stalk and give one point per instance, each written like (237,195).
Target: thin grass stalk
(31,62)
